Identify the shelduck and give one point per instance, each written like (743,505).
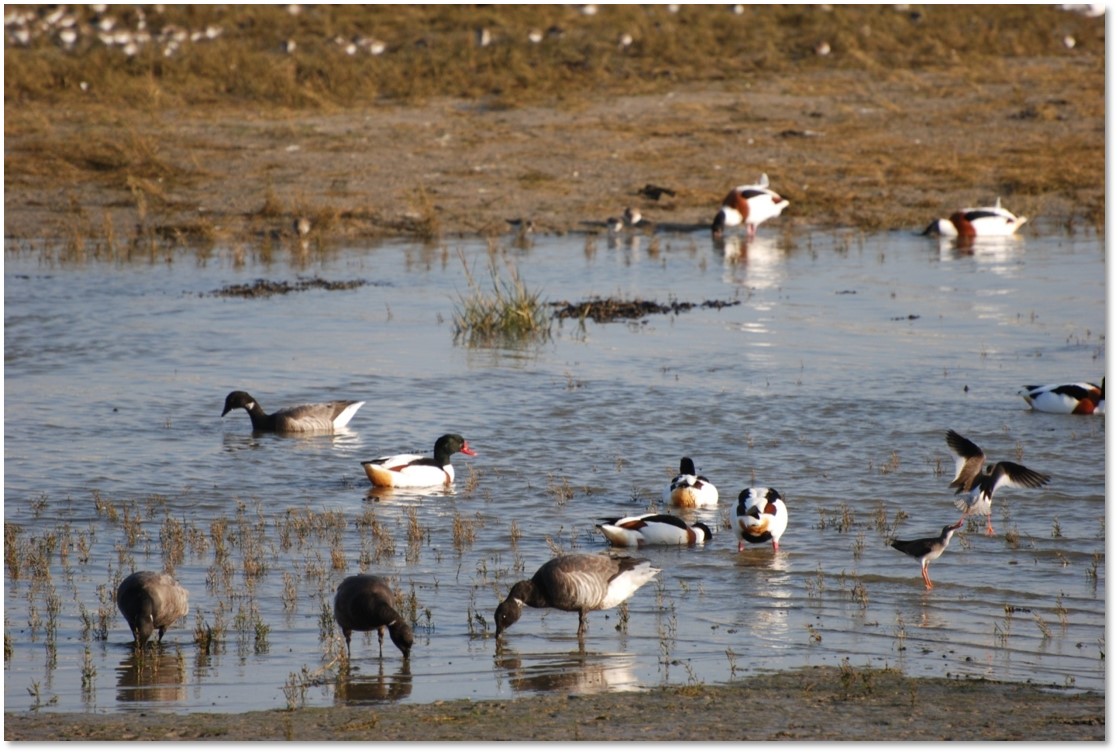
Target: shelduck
(749,204)
(976,485)
(151,601)
(760,516)
(977,222)
(1068,398)
(690,490)
(415,470)
(580,582)
(653,529)
(311,417)
(364,602)
(927,549)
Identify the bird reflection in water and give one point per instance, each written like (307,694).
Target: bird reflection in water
(153,674)
(372,689)
(577,672)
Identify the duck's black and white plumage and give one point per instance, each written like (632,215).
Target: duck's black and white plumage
(310,417)
(977,222)
(760,516)
(365,602)
(689,489)
(580,582)
(151,601)
(749,204)
(927,549)
(653,529)
(1067,398)
(976,481)
(415,469)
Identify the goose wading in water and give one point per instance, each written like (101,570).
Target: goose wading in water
(151,602)
(310,417)
(579,582)
(365,602)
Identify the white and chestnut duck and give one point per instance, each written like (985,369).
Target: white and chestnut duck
(416,470)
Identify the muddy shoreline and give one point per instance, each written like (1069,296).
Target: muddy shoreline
(847,156)
(812,704)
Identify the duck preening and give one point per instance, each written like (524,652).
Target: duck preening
(927,549)
(576,583)
(760,516)
(653,529)
(310,417)
(689,489)
(975,481)
(749,205)
(151,601)
(417,470)
(365,602)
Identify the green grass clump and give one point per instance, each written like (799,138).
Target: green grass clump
(507,313)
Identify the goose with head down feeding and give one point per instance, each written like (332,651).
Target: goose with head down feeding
(365,602)
(151,601)
(579,582)
(309,417)
(415,469)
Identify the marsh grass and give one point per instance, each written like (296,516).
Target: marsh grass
(115,135)
(429,51)
(505,313)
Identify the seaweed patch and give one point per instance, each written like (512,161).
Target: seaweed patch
(611,309)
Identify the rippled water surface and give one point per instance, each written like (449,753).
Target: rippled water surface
(832,377)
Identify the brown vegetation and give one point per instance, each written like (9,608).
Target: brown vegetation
(227,137)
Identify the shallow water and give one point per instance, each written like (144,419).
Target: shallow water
(832,377)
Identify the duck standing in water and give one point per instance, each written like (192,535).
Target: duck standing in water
(760,516)
(749,205)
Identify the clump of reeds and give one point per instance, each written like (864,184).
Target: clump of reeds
(506,313)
